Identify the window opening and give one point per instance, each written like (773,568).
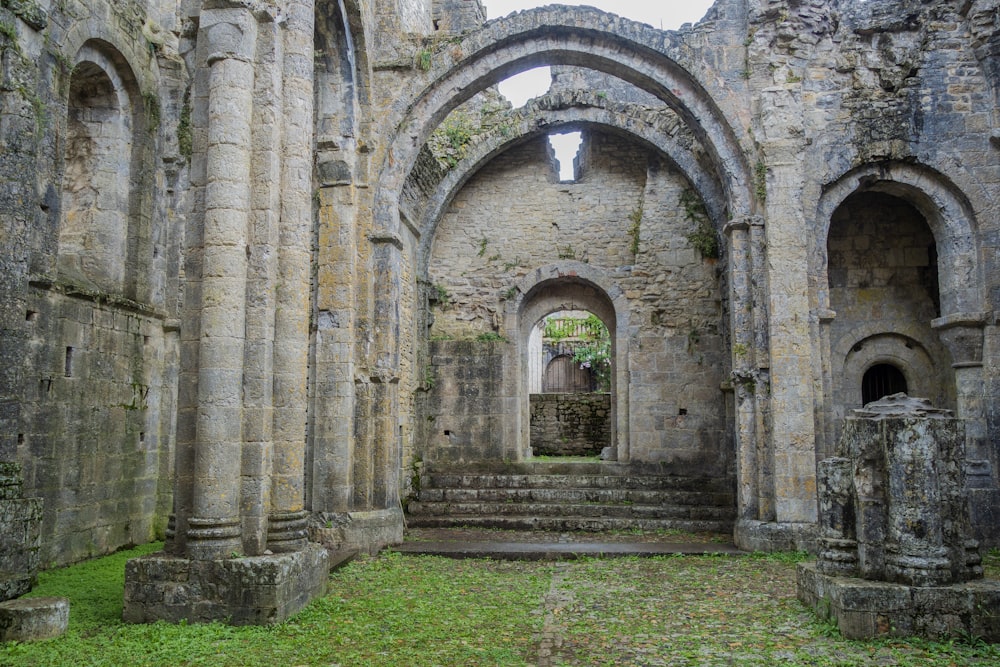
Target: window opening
(566,147)
(881,380)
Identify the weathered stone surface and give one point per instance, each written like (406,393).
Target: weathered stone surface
(232,232)
(570,424)
(31,619)
(865,609)
(257,590)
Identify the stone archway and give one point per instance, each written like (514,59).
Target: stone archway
(567,287)
(949,331)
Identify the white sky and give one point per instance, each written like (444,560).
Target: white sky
(663,14)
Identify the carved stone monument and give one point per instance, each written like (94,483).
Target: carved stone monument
(896,554)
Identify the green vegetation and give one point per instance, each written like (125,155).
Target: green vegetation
(593,350)
(440,296)
(409,610)
(490,337)
(185,139)
(760,181)
(634,229)
(703,238)
(424,60)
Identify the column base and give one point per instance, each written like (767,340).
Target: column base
(771,536)
(866,609)
(367,532)
(255,590)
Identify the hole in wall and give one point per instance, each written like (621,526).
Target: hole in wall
(682,412)
(520,88)
(31,316)
(566,147)
(68,365)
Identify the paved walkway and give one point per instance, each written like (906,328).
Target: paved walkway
(539,545)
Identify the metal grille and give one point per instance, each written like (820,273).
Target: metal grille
(881,380)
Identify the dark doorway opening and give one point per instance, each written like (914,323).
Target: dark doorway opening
(881,380)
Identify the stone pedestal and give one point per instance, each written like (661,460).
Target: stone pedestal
(256,590)
(30,619)
(896,554)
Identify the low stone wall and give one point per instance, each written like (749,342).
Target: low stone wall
(570,424)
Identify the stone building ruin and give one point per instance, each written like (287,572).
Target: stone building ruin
(263,258)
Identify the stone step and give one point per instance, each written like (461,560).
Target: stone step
(589,510)
(577,495)
(571,523)
(574,481)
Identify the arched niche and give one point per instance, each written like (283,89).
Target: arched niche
(103,227)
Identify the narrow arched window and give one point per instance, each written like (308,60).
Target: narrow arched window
(881,380)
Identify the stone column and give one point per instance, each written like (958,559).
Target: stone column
(385,451)
(213,529)
(287,521)
(962,334)
(741,322)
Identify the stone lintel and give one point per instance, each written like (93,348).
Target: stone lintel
(257,590)
(866,609)
(772,536)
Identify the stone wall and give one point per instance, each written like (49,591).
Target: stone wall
(466,406)
(631,216)
(97,277)
(570,424)
(97,409)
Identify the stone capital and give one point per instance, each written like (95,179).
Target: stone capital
(230,33)
(962,334)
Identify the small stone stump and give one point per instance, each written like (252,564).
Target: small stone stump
(31,619)
(896,554)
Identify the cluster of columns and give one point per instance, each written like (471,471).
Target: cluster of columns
(242,412)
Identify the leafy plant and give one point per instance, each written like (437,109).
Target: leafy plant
(591,346)
(634,229)
(490,337)
(703,238)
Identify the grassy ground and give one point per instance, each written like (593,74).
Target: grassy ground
(404,610)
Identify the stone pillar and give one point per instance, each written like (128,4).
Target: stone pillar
(741,322)
(387,257)
(287,521)
(912,516)
(962,334)
(213,529)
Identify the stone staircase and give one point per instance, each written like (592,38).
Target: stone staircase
(558,496)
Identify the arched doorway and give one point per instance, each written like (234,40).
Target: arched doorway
(569,385)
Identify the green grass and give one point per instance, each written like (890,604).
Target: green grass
(407,610)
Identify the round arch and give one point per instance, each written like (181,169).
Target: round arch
(946,210)
(572,286)
(540,118)
(550,36)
